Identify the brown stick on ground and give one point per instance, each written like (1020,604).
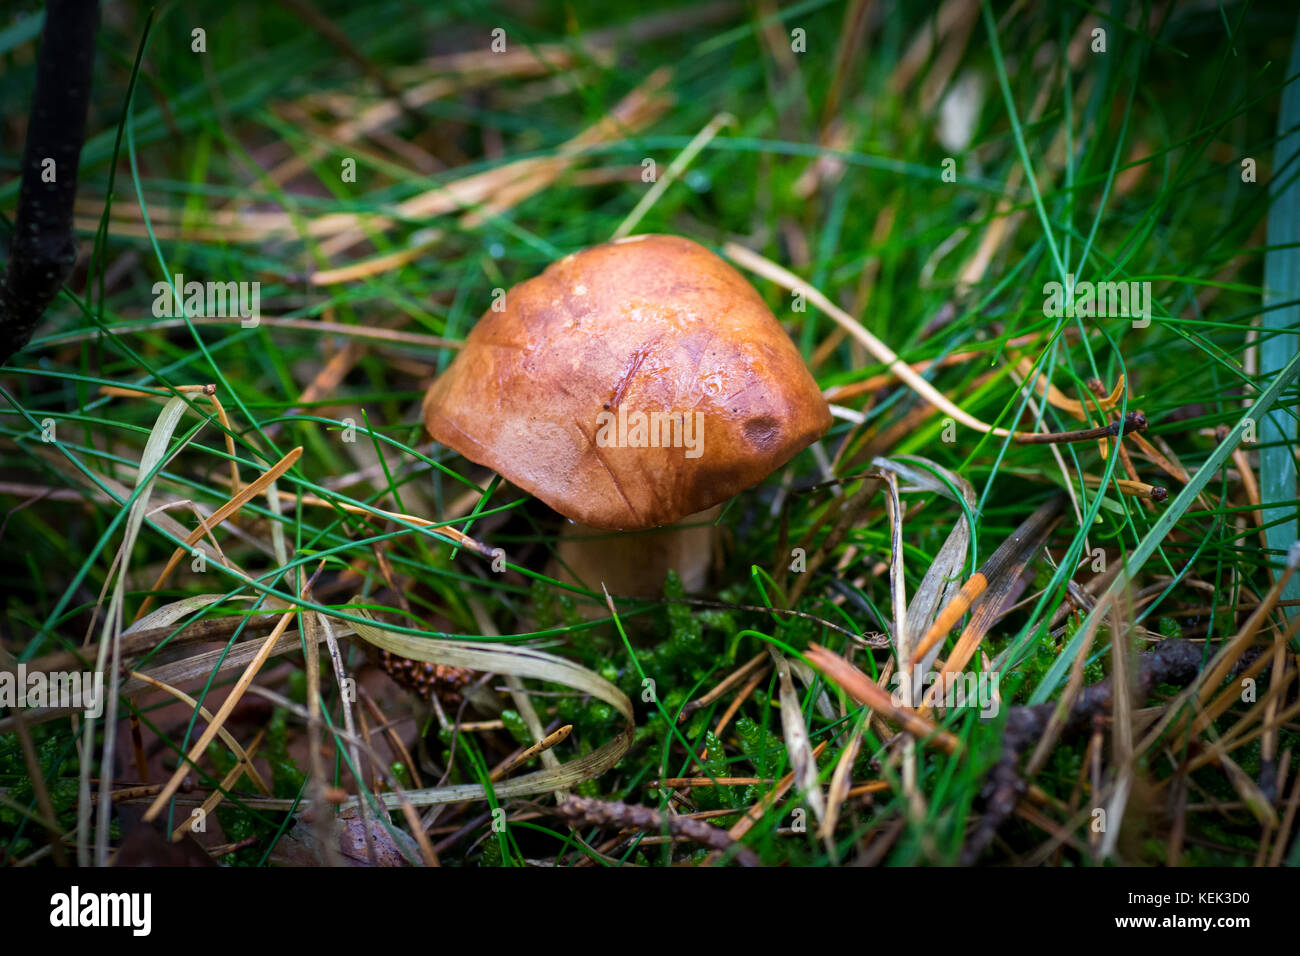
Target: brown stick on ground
(602,813)
(1173,661)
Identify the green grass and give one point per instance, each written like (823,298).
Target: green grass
(1126,166)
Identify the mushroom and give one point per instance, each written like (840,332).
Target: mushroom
(630,386)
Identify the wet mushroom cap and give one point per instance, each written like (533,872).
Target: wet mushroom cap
(650,331)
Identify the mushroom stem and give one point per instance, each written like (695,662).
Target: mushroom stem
(634,564)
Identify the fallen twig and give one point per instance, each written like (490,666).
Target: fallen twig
(602,813)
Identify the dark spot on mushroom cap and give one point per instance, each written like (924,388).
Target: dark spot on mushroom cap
(762,432)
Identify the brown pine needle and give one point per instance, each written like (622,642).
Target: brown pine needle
(866,692)
(226,737)
(223,713)
(738,701)
(241,767)
(210,391)
(736,677)
(232,505)
(377,265)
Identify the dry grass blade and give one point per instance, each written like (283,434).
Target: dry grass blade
(796,737)
(675,168)
(231,506)
(523,703)
(770,270)
(155,453)
(213,662)
(1258,804)
(518,662)
(997,578)
(1123,681)
(210,391)
(739,700)
(313,634)
(902,644)
(377,265)
(842,780)
(217,662)
(939,585)
(487,194)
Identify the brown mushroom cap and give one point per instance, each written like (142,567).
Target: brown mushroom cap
(648,324)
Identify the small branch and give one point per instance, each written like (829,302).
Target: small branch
(1133,422)
(624,816)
